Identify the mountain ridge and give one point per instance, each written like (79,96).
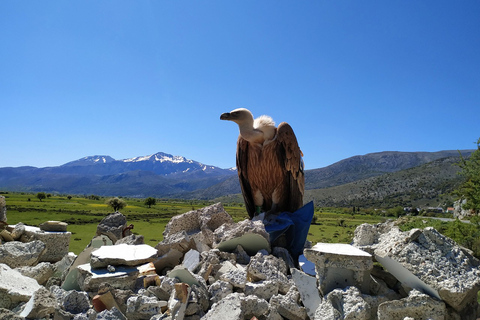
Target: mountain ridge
(166,176)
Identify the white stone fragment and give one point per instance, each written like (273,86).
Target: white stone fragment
(123,254)
(90,279)
(344,304)
(42,304)
(288,305)
(417,305)
(432,263)
(262,289)
(340,265)
(268,267)
(308,289)
(41,272)
(143,307)
(219,290)
(56,243)
(191,260)
(14,287)
(18,254)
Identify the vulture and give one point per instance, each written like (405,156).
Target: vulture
(269,164)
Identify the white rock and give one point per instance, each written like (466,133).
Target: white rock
(229,307)
(123,254)
(42,304)
(14,287)
(236,277)
(219,290)
(90,279)
(262,289)
(417,305)
(432,263)
(288,305)
(56,243)
(72,274)
(143,307)
(251,235)
(340,265)
(268,267)
(237,306)
(344,304)
(191,260)
(308,289)
(112,226)
(18,254)
(41,272)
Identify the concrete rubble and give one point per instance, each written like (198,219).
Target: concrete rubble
(209,267)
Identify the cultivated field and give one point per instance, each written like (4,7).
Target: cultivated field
(84,213)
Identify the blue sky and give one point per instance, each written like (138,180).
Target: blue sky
(132,78)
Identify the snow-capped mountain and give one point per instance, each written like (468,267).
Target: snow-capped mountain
(159,163)
(159,174)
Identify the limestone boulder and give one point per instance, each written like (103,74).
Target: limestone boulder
(268,267)
(18,254)
(41,272)
(90,280)
(143,307)
(199,223)
(288,306)
(347,303)
(249,234)
(432,263)
(237,306)
(219,290)
(417,306)
(56,243)
(113,226)
(340,265)
(42,304)
(262,289)
(15,287)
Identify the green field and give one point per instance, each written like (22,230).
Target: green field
(84,213)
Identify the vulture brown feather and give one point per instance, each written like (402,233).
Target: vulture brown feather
(269,164)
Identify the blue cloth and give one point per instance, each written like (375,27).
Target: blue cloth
(295,226)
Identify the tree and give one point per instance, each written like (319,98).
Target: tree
(150,202)
(470,188)
(41,196)
(116,203)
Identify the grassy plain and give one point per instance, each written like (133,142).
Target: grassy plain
(84,213)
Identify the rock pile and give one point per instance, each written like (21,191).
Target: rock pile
(209,267)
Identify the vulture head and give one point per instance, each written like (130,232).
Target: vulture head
(253,130)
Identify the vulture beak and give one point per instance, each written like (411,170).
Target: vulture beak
(225,116)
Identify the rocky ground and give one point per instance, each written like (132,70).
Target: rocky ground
(208,267)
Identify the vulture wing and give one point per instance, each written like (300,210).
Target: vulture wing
(290,155)
(242,161)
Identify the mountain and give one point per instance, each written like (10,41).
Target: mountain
(371,165)
(429,184)
(352,169)
(163,175)
(159,174)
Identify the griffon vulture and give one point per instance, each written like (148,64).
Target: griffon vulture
(269,164)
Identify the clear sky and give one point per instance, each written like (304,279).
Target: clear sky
(132,78)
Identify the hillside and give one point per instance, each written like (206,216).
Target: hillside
(427,185)
(165,176)
(371,165)
(342,172)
